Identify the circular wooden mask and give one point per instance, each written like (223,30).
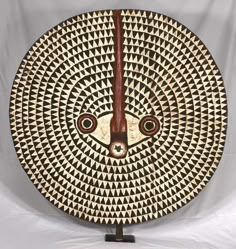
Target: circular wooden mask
(119,116)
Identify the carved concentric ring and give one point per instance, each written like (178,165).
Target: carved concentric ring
(168,74)
(149,125)
(86,123)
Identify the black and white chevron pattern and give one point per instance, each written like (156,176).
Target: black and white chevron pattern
(168,73)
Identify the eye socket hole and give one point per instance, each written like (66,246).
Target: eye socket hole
(87,123)
(149,125)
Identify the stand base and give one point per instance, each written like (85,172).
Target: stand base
(126,238)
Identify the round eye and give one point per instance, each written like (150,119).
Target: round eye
(149,125)
(87,123)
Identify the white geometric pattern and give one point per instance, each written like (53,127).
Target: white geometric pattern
(168,73)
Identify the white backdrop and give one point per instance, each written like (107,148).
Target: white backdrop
(28,221)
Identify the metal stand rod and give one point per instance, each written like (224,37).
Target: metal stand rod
(119,232)
(118,236)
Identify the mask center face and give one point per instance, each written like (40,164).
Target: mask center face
(137,129)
